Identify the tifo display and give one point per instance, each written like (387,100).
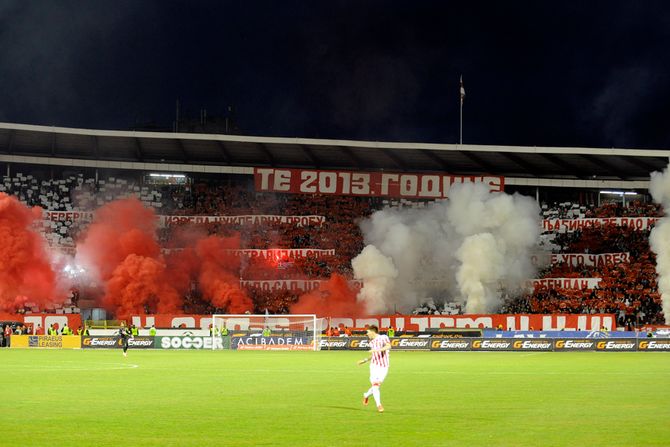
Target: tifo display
(209,246)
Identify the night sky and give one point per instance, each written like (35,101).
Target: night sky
(557,73)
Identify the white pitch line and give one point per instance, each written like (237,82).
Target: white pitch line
(117,366)
(433,373)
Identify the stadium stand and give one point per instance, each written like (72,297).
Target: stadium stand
(627,289)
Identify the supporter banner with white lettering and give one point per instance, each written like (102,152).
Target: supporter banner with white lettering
(68,216)
(283,253)
(377,184)
(254,219)
(570,225)
(404,323)
(565,283)
(272,254)
(590,260)
(293,285)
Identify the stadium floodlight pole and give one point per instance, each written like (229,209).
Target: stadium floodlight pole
(460,132)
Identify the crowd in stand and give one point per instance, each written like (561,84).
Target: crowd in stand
(627,289)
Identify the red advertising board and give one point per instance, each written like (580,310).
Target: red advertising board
(377,184)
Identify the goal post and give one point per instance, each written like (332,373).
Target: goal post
(292,332)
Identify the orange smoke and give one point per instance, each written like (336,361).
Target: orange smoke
(218,279)
(121,244)
(119,229)
(141,281)
(335,297)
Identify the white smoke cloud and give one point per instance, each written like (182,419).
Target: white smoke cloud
(659,239)
(482,264)
(378,273)
(464,249)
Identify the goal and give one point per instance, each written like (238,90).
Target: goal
(267,332)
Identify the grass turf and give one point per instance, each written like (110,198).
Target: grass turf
(203,398)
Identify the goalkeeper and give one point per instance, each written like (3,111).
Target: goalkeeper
(124,335)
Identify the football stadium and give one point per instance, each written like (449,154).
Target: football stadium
(193,289)
(284,223)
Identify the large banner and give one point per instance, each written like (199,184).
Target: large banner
(68,216)
(293,285)
(589,260)
(376,184)
(570,225)
(565,283)
(282,253)
(272,254)
(255,219)
(416,323)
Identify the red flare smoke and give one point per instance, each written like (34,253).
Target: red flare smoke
(25,271)
(140,281)
(182,260)
(119,229)
(121,244)
(182,268)
(218,281)
(335,297)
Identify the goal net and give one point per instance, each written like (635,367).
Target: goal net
(267,332)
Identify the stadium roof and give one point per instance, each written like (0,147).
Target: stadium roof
(30,143)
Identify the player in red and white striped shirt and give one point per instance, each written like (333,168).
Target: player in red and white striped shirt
(380,345)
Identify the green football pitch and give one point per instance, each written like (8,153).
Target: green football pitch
(204,398)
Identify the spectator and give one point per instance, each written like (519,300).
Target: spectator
(8,334)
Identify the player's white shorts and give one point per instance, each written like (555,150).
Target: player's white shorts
(378,373)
